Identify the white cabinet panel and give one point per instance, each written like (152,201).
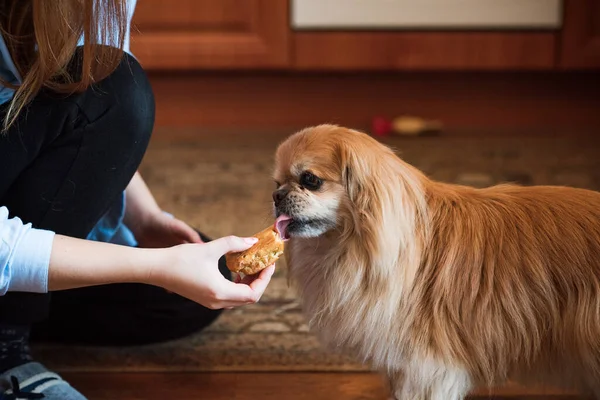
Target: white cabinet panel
(426,14)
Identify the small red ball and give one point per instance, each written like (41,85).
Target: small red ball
(381,126)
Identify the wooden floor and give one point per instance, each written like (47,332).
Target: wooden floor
(255,386)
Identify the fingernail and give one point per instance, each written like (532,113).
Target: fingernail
(251,240)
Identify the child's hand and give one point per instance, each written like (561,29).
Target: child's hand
(192,271)
(162,230)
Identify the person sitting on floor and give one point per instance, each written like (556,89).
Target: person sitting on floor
(76,218)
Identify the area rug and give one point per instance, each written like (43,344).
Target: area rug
(221,184)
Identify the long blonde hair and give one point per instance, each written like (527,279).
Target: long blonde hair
(42,36)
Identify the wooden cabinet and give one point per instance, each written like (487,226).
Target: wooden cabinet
(424,50)
(407,35)
(260,34)
(202,34)
(580,37)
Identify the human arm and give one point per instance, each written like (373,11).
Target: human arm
(33,260)
(189,270)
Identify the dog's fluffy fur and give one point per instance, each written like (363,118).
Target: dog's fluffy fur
(439,286)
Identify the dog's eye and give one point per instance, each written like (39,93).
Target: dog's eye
(310,181)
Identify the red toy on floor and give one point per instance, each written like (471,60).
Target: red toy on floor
(404,126)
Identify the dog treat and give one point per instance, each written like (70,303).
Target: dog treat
(405,126)
(265,252)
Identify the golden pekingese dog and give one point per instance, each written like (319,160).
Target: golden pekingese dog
(441,287)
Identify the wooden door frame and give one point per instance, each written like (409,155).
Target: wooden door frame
(579,46)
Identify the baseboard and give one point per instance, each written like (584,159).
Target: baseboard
(483,102)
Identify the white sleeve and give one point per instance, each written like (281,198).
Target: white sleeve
(24,256)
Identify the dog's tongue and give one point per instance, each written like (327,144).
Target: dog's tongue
(281,225)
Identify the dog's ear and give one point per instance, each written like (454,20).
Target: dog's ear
(354,171)
(346,166)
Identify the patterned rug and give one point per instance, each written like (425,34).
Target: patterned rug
(221,184)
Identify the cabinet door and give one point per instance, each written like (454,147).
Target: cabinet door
(411,35)
(580,39)
(424,50)
(207,34)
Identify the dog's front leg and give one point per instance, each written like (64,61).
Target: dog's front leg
(450,384)
(443,384)
(402,389)
(396,383)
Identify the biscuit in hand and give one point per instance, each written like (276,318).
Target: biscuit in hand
(265,252)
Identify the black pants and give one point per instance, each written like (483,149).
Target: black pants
(62,165)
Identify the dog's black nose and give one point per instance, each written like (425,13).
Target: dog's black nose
(279,195)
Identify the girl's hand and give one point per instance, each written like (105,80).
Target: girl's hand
(193,272)
(159,230)
(152,227)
